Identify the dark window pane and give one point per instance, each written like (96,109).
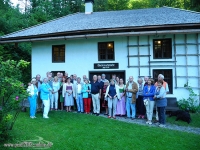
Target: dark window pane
(106,51)
(162,49)
(110,56)
(58,53)
(102,56)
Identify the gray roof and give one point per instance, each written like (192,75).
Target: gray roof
(110,20)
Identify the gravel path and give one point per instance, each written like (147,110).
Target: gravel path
(168,125)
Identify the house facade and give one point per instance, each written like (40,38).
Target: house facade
(132,55)
(126,45)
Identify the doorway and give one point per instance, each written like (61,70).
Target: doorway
(54,73)
(118,73)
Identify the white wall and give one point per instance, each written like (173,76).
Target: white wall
(81,54)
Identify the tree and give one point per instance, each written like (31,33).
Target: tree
(138,4)
(12,92)
(12,20)
(192,5)
(118,4)
(100,5)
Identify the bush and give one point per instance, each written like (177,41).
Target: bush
(191,103)
(12,92)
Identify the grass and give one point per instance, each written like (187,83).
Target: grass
(81,132)
(195,120)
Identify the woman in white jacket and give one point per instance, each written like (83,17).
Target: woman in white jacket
(112,92)
(33,93)
(54,98)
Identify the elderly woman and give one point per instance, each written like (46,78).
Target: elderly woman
(86,89)
(161,102)
(54,99)
(45,91)
(67,93)
(148,94)
(105,100)
(112,92)
(33,93)
(121,107)
(139,101)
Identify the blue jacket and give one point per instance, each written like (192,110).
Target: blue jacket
(84,89)
(44,88)
(149,94)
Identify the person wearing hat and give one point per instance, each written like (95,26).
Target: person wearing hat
(33,93)
(86,89)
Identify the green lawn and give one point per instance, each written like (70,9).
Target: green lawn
(195,120)
(80,131)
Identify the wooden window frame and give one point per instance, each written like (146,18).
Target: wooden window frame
(170,41)
(106,59)
(53,46)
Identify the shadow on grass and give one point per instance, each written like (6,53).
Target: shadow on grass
(195,121)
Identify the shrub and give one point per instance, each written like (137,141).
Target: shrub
(12,92)
(191,103)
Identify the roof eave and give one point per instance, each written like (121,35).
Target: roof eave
(84,33)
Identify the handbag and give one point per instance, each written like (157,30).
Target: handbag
(89,94)
(146,102)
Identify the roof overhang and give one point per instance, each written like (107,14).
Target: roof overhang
(125,31)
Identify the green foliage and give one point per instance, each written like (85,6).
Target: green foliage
(191,103)
(118,4)
(42,11)
(22,51)
(138,4)
(12,20)
(12,92)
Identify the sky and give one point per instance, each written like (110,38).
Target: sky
(20,2)
(14,2)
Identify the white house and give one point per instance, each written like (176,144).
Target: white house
(143,42)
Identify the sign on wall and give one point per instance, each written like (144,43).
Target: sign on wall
(106,66)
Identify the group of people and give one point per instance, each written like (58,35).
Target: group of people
(87,96)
